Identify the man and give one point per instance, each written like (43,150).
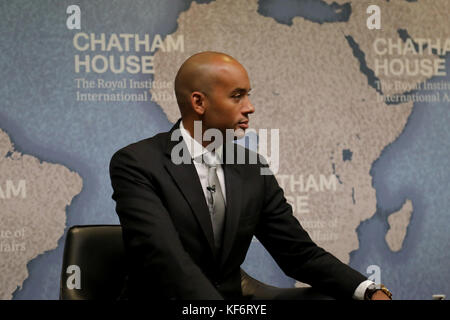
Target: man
(187,226)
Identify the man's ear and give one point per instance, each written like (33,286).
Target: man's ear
(198,102)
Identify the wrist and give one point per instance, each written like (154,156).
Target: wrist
(376,288)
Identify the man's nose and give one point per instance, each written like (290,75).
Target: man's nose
(248,107)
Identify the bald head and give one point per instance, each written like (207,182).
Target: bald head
(213,88)
(200,72)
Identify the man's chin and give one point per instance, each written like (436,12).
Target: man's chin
(239,133)
(234,134)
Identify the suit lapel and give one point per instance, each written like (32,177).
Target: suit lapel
(188,182)
(233,186)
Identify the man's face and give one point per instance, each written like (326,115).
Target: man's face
(227,102)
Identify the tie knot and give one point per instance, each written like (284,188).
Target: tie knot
(210,159)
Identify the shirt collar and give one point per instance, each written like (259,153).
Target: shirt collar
(195,149)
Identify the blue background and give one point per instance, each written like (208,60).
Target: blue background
(39,112)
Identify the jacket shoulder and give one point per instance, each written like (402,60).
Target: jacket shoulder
(146,149)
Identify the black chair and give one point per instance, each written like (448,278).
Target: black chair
(94,268)
(97,253)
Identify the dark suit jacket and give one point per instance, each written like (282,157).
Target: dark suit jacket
(168,234)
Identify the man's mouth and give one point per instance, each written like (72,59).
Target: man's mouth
(243,124)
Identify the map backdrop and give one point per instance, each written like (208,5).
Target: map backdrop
(363,117)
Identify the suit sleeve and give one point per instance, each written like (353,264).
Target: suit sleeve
(295,252)
(151,241)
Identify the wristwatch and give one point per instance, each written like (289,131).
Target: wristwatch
(371,289)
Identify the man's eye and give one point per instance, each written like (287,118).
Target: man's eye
(239,96)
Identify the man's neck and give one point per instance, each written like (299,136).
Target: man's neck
(189,127)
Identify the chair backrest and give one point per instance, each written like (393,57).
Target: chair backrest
(93,263)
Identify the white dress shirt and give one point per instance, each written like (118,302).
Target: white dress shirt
(197,151)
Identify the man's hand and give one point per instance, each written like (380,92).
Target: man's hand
(377,292)
(380,295)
